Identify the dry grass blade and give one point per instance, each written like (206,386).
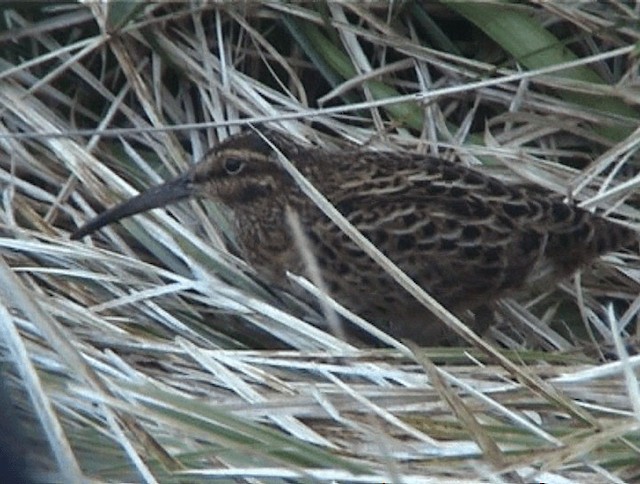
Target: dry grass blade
(47,418)
(157,354)
(485,442)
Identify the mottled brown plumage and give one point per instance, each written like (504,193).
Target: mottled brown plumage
(467,238)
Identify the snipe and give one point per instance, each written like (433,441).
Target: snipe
(467,238)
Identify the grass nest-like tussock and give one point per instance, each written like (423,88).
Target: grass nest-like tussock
(151,352)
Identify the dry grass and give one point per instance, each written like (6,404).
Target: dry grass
(150,352)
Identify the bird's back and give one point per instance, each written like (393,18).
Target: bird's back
(467,238)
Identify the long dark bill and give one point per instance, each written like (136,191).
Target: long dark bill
(158,196)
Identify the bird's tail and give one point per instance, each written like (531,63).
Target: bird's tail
(580,243)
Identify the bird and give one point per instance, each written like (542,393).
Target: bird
(466,237)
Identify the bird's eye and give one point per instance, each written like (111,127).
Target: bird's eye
(233,166)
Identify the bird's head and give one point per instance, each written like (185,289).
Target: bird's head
(241,172)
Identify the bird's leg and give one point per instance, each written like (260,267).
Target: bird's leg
(484,318)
